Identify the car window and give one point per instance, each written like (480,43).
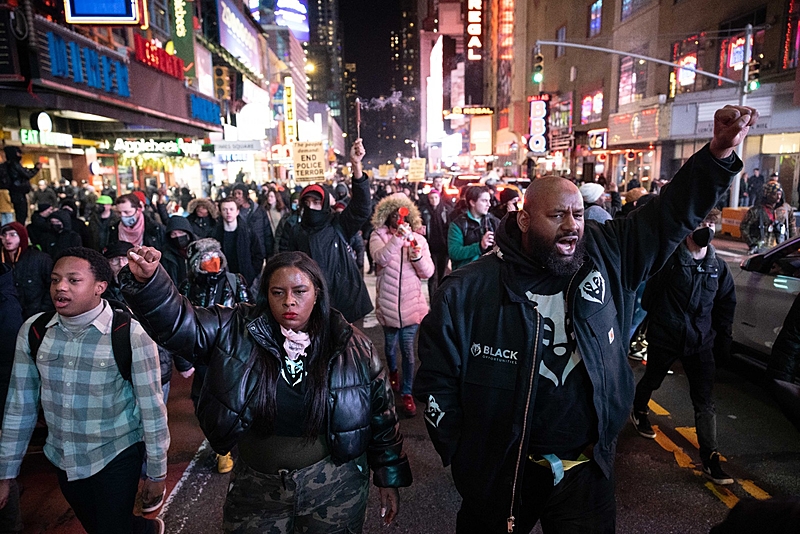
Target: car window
(786,264)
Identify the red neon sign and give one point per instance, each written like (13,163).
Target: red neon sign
(157,58)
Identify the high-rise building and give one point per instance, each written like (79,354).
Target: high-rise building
(325,52)
(350,95)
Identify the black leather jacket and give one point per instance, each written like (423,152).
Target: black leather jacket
(361,415)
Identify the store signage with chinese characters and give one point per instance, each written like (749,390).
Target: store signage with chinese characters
(598,139)
(238,36)
(204,110)
(151,146)
(638,127)
(158,58)
(459,112)
(83,65)
(183,35)
(36,137)
(474,29)
(537,143)
(290,119)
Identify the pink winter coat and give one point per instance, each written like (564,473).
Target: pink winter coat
(399,300)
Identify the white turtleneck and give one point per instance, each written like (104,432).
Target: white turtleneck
(78,323)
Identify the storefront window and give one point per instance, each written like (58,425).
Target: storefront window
(632,80)
(687,53)
(159,16)
(592,107)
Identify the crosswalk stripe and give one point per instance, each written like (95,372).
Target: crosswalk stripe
(754,490)
(656,408)
(723,494)
(690,434)
(668,445)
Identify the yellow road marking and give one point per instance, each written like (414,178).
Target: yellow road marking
(723,494)
(668,445)
(656,408)
(690,434)
(754,490)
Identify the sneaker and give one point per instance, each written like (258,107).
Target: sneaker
(224,463)
(713,471)
(155,504)
(394,380)
(637,355)
(642,425)
(158,527)
(409,407)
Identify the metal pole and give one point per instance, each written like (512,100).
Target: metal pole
(637,56)
(734,200)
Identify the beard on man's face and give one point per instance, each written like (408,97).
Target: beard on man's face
(545,253)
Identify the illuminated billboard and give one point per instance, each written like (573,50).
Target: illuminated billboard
(238,36)
(293,14)
(104,11)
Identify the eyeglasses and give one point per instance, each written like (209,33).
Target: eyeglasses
(10,233)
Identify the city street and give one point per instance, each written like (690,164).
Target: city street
(659,485)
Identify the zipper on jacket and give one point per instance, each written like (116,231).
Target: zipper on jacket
(510,519)
(400,289)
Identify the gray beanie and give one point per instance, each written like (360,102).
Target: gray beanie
(200,247)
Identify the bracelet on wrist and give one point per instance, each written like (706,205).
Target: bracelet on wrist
(157,479)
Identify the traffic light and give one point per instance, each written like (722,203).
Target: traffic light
(222,83)
(753,82)
(538,69)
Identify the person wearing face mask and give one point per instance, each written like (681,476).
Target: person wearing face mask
(101,220)
(325,235)
(289,220)
(135,225)
(203,216)
(62,236)
(117,256)
(770,222)
(17,180)
(509,201)
(175,254)
(692,301)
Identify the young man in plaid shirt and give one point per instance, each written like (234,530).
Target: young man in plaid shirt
(100,424)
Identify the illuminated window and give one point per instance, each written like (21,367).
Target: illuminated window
(159,16)
(595,18)
(688,53)
(592,107)
(632,80)
(629,7)
(561,35)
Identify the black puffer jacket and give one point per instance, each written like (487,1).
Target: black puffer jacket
(32,278)
(361,415)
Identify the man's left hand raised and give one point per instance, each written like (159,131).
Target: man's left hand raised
(731,125)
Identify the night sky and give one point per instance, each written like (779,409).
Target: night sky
(367,24)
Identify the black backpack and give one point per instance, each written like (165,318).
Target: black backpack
(120,336)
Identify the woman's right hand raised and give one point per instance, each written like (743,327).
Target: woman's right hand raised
(143,262)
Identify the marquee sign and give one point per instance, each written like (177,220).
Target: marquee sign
(138,146)
(474,29)
(537,143)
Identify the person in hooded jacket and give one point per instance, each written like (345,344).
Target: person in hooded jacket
(402,258)
(691,303)
(289,220)
(435,214)
(117,256)
(102,219)
(175,256)
(63,236)
(524,369)
(31,269)
(298,389)
(593,204)
(135,225)
(78,224)
(203,215)
(39,229)
(256,219)
(325,237)
(18,180)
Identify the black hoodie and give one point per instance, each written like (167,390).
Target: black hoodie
(174,258)
(57,242)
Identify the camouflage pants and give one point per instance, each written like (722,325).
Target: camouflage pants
(321,498)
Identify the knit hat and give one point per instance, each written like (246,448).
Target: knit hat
(141,196)
(21,231)
(104,199)
(243,188)
(43,206)
(315,190)
(772,187)
(591,192)
(508,194)
(200,247)
(117,249)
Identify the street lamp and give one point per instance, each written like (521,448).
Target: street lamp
(414,145)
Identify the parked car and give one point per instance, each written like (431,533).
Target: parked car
(766,286)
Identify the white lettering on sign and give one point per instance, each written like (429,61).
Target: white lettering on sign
(179,146)
(538,141)
(180,18)
(238,29)
(474,29)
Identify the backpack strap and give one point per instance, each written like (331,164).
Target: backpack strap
(120,337)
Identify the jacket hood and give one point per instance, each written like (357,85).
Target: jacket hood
(390,204)
(213,211)
(196,250)
(176,222)
(11,153)
(64,216)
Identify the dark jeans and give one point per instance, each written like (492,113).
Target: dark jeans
(10,517)
(21,209)
(406,337)
(582,503)
(699,368)
(440,265)
(103,503)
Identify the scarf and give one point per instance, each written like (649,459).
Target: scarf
(134,234)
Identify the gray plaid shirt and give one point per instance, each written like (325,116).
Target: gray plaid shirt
(92,413)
